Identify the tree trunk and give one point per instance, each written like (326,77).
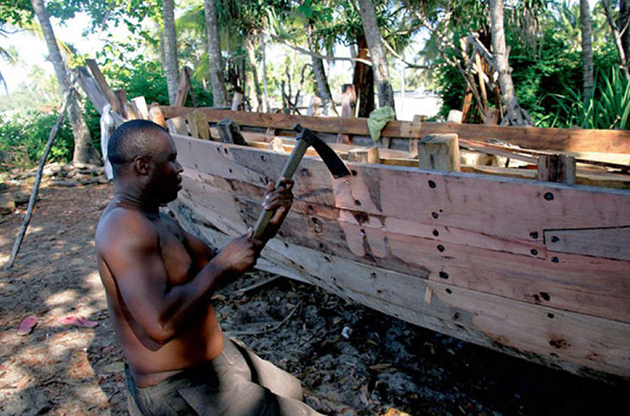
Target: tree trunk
(514,114)
(363,80)
(624,26)
(323,89)
(264,64)
(384,88)
(249,44)
(170,50)
(219,94)
(587,52)
(84,152)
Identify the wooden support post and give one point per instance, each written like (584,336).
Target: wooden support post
(121,96)
(277,145)
(91,88)
(413,142)
(38,177)
(492,116)
(156,115)
(439,152)
(140,106)
(182,88)
(556,168)
(198,124)
(230,132)
(348,108)
(364,155)
(102,84)
(177,125)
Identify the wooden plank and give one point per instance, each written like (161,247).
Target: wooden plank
(476,220)
(600,179)
(439,152)
(198,125)
(230,132)
(157,116)
(612,243)
(364,155)
(140,105)
(121,95)
(568,140)
(183,88)
(177,125)
(415,250)
(92,90)
(103,86)
(537,333)
(472,201)
(556,168)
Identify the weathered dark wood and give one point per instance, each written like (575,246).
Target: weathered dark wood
(230,132)
(183,88)
(556,168)
(567,140)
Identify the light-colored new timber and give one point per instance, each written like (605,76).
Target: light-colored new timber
(542,334)
(478,236)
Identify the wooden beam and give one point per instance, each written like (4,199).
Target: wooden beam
(92,90)
(121,95)
(177,125)
(183,87)
(556,168)
(102,84)
(140,106)
(198,125)
(157,116)
(439,152)
(364,155)
(564,140)
(612,243)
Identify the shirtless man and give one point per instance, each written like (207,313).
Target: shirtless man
(159,279)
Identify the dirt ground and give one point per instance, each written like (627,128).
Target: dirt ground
(351,360)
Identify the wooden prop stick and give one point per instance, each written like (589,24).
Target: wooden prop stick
(38,178)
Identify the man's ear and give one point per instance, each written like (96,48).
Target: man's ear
(142,165)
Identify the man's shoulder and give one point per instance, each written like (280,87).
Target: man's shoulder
(119,224)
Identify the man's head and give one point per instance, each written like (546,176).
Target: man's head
(143,153)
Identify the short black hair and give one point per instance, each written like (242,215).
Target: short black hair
(130,140)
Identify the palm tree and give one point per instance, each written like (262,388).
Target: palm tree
(170,49)
(84,152)
(587,51)
(214,55)
(374,39)
(514,114)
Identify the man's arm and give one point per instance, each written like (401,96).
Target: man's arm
(129,244)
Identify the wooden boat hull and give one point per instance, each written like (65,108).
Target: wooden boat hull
(533,269)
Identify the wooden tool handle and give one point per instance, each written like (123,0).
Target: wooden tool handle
(287,173)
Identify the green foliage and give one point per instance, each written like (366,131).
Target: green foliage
(607,108)
(23,139)
(542,71)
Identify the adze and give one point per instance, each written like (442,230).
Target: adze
(304,140)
